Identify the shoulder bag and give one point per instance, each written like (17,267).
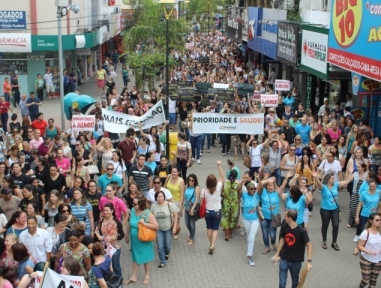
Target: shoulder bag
(112,280)
(93,169)
(178,228)
(336,204)
(247,160)
(146,234)
(189,205)
(202,210)
(276,219)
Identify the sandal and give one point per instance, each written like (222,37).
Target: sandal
(335,246)
(145,281)
(130,281)
(190,242)
(275,247)
(356,251)
(349,226)
(267,250)
(324,245)
(211,250)
(226,238)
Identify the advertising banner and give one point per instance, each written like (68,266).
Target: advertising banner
(288,39)
(364,86)
(354,37)
(282,85)
(233,28)
(15,42)
(269,100)
(228,123)
(83,123)
(244,88)
(117,122)
(314,50)
(12,20)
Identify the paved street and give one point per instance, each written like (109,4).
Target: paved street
(193,267)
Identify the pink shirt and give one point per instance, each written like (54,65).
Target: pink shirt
(334,135)
(64,164)
(118,203)
(34,144)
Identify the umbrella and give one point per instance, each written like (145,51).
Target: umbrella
(73,100)
(302,277)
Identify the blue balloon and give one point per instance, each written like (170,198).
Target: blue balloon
(73,100)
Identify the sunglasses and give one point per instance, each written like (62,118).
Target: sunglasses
(108,190)
(252,188)
(293,150)
(255,143)
(63,211)
(377,220)
(297,139)
(190,180)
(77,144)
(110,169)
(30,131)
(156,182)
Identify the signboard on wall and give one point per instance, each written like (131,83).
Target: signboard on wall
(12,20)
(233,28)
(15,42)
(288,39)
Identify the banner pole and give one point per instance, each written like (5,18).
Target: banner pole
(47,264)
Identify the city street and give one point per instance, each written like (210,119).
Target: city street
(191,266)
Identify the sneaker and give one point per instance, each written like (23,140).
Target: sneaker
(198,161)
(161,266)
(356,239)
(251,262)
(200,154)
(243,233)
(193,159)
(223,154)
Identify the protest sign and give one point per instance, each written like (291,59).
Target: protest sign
(257,96)
(220,85)
(224,95)
(202,87)
(269,100)
(83,123)
(222,123)
(185,83)
(117,122)
(244,89)
(282,85)
(186,94)
(55,280)
(172,87)
(203,60)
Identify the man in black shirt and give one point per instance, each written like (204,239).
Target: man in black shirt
(15,90)
(288,131)
(19,178)
(93,196)
(293,240)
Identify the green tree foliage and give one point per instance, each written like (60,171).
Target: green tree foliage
(293,12)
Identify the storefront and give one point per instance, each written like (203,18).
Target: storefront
(262,37)
(355,48)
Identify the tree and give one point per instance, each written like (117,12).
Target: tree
(293,12)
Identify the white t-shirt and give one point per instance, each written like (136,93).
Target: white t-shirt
(48,79)
(372,244)
(172,106)
(152,148)
(334,167)
(213,201)
(255,155)
(151,194)
(3,222)
(119,170)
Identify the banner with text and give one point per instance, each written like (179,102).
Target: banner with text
(282,85)
(55,280)
(228,123)
(117,122)
(83,123)
(269,100)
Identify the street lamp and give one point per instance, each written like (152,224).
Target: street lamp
(168,10)
(62,8)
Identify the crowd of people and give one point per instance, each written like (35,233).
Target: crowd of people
(82,193)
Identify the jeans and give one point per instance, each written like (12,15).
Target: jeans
(6,95)
(182,167)
(375,168)
(190,222)
(254,170)
(208,138)
(196,146)
(225,139)
(326,216)
(4,121)
(116,262)
(125,80)
(40,94)
(277,176)
(16,98)
(294,268)
(268,231)
(251,228)
(164,243)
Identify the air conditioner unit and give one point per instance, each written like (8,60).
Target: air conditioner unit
(324,5)
(116,10)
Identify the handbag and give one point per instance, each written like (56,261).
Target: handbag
(112,280)
(276,219)
(202,210)
(189,205)
(260,214)
(246,161)
(178,228)
(93,169)
(146,234)
(235,140)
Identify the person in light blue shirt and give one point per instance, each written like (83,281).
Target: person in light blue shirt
(303,130)
(289,101)
(329,206)
(107,178)
(150,157)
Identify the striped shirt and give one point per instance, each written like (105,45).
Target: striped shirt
(81,213)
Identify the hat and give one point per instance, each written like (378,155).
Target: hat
(326,99)
(45,137)
(271,110)
(6,191)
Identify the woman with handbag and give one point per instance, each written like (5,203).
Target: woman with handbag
(98,272)
(110,231)
(141,252)
(230,204)
(164,212)
(329,210)
(212,195)
(191,205)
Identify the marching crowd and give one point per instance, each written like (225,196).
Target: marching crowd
(69,198)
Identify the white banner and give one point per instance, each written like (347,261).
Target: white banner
(269,100)
(117,122)
(282,85)
(228,123)
(55,280)
(220,86)
(83,123)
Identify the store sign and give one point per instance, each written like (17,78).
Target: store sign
(83,52)
(233,28)
(282,85)
(12,20)
(288,39)
(309,91)
(314,50)
(50,42)
(80,41)
(355,37)
(102,35)
(364,86)
(15,42)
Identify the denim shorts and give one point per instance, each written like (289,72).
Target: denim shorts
(172,118)
(213,219)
